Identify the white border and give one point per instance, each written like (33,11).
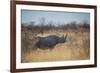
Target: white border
(20,65)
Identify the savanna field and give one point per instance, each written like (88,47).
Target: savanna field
(76,46)
(51,35)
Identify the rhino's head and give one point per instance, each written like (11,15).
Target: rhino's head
(62,39)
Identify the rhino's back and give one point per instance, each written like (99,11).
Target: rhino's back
(47,42)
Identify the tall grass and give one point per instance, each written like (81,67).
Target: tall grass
(76,47)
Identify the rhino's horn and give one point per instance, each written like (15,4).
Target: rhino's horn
(65,37)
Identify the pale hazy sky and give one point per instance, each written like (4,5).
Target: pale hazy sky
(53,16)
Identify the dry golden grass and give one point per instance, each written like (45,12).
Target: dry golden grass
(75,48)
